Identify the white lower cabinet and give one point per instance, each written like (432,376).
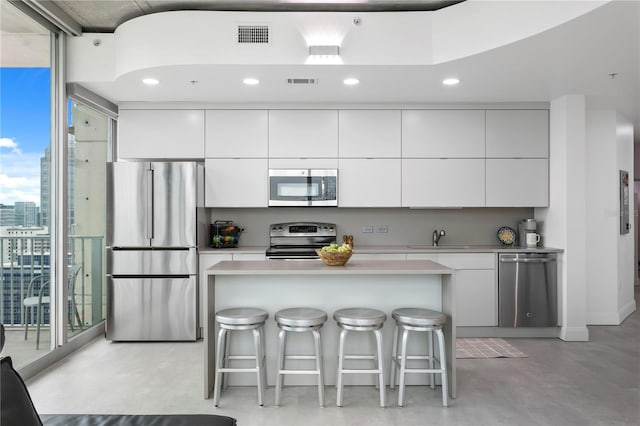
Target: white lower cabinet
(476,286)
(235,182)
(476,297)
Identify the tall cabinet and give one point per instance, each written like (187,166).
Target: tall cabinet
(517,158)
(443,158)
(369,165)
(236,166)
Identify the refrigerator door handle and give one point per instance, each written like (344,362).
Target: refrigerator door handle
(149,204)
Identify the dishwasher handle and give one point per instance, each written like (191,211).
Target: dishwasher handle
(527,259)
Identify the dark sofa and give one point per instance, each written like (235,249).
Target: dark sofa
(17,409)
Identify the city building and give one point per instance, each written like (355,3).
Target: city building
(26,214)
(7,215)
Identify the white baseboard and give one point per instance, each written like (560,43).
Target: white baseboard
(627,310)
(603,318)
(611,317)
(574,334)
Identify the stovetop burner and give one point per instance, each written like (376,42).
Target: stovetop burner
(299,240)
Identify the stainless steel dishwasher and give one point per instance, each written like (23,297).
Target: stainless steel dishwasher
(527,290)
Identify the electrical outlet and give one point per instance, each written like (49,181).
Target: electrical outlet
(382,229)
(367,229)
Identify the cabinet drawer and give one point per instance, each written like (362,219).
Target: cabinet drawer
(468,261)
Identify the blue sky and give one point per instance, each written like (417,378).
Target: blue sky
(24,131)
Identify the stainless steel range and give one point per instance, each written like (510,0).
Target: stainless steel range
(299,240)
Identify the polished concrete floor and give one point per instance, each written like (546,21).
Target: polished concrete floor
(559,383)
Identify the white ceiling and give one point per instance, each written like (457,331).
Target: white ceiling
(577,57)
(574,58)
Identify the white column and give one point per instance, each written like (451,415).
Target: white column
(610,259)
(564,221)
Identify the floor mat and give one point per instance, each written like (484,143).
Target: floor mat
(486,348)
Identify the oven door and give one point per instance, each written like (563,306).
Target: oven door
(303,187)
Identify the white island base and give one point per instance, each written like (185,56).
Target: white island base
(275,285)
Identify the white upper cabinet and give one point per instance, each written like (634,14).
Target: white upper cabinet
(517,182)
(369,134)
(161,134)
(517,133)
(235,182)
(369,182)
(443,182)
(443,134)
(303,133)
(236,133)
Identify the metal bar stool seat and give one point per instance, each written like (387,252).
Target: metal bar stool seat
(422,320)
(360,319)
(238,319)
(300,320)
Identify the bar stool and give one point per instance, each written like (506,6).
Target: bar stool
(300,320)
(238,319)
(360,319)
(425,320)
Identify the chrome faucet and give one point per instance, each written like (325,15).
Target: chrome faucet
(437,235)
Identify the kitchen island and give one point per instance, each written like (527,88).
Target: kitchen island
(275,285)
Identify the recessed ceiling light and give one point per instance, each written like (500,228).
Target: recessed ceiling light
(452,81)
(351,81)
(150,81)
(251,81)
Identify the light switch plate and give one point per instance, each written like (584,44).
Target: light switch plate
(382,229)
(367,229)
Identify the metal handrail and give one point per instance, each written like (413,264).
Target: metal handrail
(23,258)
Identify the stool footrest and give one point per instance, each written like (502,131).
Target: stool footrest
(316,372)
(359,357)
(237,370)
(300,357)
(423,370)
(240,357)
(361,371)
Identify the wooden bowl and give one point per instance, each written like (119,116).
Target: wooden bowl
(334,259)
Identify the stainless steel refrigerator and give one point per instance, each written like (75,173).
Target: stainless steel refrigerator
(151,251)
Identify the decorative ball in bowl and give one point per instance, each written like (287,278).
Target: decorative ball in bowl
(335,255)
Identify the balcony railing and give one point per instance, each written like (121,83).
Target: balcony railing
(22,258)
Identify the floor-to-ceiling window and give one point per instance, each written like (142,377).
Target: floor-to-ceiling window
(53,154)
(87,149)
(25,177)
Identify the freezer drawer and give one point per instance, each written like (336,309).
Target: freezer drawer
(527,290)
(151,308)
(152,261)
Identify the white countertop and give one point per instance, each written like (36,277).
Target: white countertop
(316,267)
(386,249)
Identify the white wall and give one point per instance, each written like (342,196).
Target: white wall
(626,260)
(602,217)
(610,255)
(564,221)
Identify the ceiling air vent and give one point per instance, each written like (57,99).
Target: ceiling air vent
(253,34)
(302,80)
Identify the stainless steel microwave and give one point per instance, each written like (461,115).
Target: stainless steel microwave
(303,187)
